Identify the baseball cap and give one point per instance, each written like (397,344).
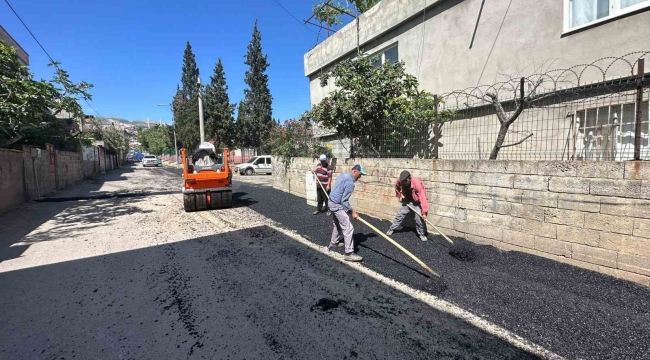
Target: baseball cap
(322,157)
(360,168)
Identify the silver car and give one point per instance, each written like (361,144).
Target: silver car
(149,160)
(256,165)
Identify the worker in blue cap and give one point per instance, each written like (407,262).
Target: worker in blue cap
(341,210)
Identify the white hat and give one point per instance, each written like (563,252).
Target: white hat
(322,157)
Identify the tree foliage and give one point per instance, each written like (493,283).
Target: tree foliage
(294,138)
(115,138)
(256,110)
(218,114)
(155,140)
(185,102)
(375,105)
(333,16)
(28,107)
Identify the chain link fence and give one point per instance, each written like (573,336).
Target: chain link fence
(595,111)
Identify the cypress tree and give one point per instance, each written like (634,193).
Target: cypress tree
(187,115)
(257,97)
(190,73)
(241,138)
(218,111)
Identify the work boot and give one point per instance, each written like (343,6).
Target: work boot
(424,238)
(389,232)
(352,257)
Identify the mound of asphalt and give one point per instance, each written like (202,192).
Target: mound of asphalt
(574,312)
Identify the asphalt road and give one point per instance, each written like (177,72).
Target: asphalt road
(134,277)
(576,313)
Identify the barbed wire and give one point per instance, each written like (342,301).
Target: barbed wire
(550,82)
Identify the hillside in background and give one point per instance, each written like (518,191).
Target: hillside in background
(138,123)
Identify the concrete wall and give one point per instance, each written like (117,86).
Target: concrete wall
(12,190)
(40,177)
(27,175)
(437,50)
(69,168)
(90,160)
(594,215)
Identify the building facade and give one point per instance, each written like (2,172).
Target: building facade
(459,44)
(23,57)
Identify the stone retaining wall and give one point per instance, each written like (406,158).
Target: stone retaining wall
(594,215)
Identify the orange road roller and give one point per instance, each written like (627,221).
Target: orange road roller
(207,179)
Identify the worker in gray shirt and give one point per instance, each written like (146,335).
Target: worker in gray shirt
(340,207)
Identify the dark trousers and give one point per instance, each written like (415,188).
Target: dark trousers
(322,198)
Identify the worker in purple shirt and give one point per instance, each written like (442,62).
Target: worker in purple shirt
(341,210)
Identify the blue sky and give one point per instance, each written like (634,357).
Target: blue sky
(132,50)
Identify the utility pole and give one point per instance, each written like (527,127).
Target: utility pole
(198,81)
(174,129)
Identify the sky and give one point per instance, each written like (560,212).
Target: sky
(132,50)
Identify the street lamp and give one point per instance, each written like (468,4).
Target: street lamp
(174,128)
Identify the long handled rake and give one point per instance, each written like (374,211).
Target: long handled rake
(415,258)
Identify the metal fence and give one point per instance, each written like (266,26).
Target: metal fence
(596,111)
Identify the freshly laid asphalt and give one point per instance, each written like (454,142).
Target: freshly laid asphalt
(138,278)
(576,313)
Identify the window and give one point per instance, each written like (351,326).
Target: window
(389,55)
(259,161)
(268,161)
(607,133)
(581,13)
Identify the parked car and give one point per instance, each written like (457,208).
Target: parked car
(149,160)
(256,165)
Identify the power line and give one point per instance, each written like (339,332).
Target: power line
(43,48)
(295,18)
(420,54)
(494,43)
(30,32)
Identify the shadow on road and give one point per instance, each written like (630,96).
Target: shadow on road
(225,296)
(19,222)
(239,200)
(107,195)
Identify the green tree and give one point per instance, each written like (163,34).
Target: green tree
(376,107)
(334,16)
(294,138)
(155,139)
(241,127)
(218,113)
(185,102)
(257,97)
(28,108)
(177,109)
(190,73)
(115,138)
